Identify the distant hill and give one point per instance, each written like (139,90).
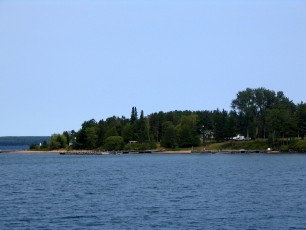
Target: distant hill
(22,140)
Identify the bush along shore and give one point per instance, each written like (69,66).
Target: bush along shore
(228,147)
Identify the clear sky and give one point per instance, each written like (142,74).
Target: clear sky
(66,61)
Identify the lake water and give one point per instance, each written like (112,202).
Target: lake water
(196,191)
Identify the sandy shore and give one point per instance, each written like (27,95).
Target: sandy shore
(176,152)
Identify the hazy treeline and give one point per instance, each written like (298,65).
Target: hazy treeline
(22,140)
(256,113)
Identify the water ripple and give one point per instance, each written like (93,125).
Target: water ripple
(43,191)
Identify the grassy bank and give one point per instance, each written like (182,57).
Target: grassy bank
(253,145)
(261,145)
(236,145)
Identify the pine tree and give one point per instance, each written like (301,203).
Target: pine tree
(134,115)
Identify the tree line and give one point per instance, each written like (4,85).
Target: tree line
(256,113)
(22,140)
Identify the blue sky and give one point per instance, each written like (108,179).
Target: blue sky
(64,62)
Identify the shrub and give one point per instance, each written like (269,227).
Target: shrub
(114,143)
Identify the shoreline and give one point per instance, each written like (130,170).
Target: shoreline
(92,152)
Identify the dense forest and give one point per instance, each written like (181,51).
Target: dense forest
(259,114)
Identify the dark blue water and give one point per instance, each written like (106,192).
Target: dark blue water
(50,191)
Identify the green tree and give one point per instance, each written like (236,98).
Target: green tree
(253,104)
(288,110)
(91,137)
(67,135)
(187,132)
(274,123)
(81,135)
(44,145)
(220,125)
(169,135)
(205,120)
(101,130)
(301,119)
(58,141)
(111,131)
(232,124)
(134,115)
(128,133)
(156,121)
(281,123)
(142,129)
(113,127)
(34,147)
(114,143)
